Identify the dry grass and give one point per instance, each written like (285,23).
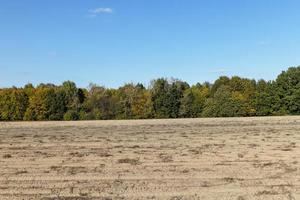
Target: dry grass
(233,158)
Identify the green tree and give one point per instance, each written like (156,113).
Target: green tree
(101,103)
(227,97)
(287,87)
(13,103)
(71,115)
(166,97)
(45,104)
(134,102)
(193,101)
(224,104)
(74,97)
(222,81)
(266,101)
(159,97)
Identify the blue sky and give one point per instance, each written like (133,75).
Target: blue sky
(111,42)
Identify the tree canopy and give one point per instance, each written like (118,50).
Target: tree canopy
(164,98)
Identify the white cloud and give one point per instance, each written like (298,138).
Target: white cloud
(92,13)
(100,10)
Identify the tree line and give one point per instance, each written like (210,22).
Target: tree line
(163,98)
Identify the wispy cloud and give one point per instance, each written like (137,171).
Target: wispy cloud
(101,10)
(97,11)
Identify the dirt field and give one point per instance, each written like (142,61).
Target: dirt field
(221,159)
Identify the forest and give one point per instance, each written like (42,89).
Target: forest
(163,98)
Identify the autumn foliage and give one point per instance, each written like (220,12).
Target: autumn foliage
(226,97)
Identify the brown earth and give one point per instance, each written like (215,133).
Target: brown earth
(221,159)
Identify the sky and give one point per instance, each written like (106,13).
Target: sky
(112,42)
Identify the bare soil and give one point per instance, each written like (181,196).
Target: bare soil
(220,159)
